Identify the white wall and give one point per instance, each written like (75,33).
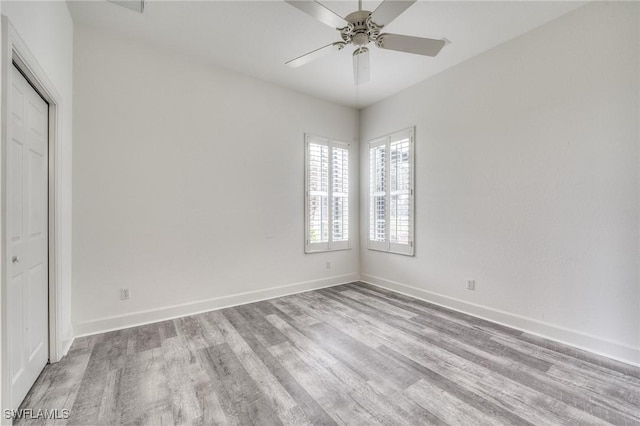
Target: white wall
(188,185)
(527,181)
(47,30)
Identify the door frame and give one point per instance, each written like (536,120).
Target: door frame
(15,51)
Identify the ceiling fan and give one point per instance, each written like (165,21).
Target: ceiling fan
(361,28)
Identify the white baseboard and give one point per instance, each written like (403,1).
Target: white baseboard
(578,339)
(134,319)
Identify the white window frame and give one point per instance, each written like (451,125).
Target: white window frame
(386,245)
(330,244)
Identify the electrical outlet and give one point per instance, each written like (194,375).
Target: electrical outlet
(328,265)
(124,294)
(471,284)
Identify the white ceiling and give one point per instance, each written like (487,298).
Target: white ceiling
(256,38)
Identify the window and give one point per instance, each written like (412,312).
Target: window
(327,195)
(391,193)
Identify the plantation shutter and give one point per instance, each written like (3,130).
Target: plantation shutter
(378,195)
(400,193)
(327,195)
(340,195)
(391,193)
(318,194)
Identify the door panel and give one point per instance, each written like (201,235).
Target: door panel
(16,329)
(35,333)
(27,222)
(37,203)
(15,191)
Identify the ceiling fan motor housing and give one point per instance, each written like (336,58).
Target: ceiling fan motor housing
(361,29)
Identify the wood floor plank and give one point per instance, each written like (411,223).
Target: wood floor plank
(279,399)
(446,406)
(573,398)
(560,359)
(240,396)
(86,405)
(498,364)
(436,309)
(145,337)
(167,329)
(184,360)
(143,396)
(352,354)
(503,399)
(59,383)
(369,364)
(482,340)
(446,351)
(185,404)
(324,311)
(107,412)
(324,388)
(263,329)
(621,398)
(582,355)
(349,391)
(378,400)
(306,403)
(392,334)
(478,338)
(198,332)
(113,347)
(390,309)
(565,401)
(299,315)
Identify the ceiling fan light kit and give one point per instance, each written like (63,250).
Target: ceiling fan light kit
(362,27)
(361,72)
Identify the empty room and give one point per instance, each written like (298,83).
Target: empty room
(298,212)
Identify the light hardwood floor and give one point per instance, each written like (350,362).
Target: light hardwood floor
(351,354)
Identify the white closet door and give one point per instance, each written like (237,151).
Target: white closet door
(27,234)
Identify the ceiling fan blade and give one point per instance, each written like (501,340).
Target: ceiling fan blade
(389,10)
(137,5)
(361,71)
(320,12)
(315,54)
(417,45)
